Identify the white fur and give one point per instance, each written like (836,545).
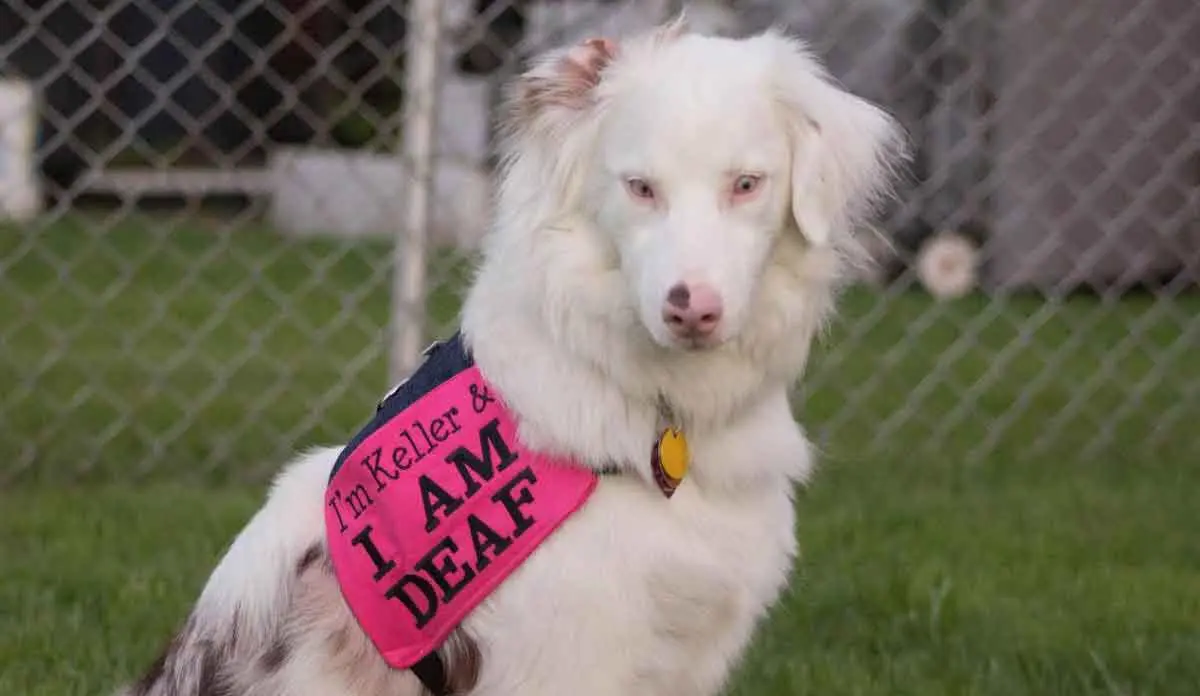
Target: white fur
(636,594)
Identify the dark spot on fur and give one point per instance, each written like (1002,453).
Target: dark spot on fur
(190,665)
(158,670)
(340,640)
(311,556)
(463,662)
(212,680)
(275,656)
(235,631)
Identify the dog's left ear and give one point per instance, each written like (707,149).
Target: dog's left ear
(559,86)
(845,150)
(547,124)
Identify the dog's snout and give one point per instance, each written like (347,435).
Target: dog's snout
(692,310)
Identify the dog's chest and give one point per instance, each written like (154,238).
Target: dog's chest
(715,568)
(726,558)
(641,595)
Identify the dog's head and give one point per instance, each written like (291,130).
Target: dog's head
(701,166)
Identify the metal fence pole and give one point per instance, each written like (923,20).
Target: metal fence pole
(409,254)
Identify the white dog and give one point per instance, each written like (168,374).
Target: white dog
(675,213)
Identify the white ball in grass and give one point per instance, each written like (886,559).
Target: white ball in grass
(948,265)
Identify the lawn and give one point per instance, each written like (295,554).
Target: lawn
(1009,503)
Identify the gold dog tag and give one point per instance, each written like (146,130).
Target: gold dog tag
(669,460)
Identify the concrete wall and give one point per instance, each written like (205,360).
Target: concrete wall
(352,193)
(1097,147)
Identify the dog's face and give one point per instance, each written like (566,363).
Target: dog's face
(691,184)
(696,159)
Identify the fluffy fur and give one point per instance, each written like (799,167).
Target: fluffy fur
(636,594)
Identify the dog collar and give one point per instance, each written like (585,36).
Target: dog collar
(670,457)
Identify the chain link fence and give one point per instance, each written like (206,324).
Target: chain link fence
(223,224)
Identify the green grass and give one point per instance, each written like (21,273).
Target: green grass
(1009,501)
(186,350)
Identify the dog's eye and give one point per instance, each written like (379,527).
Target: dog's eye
(640,188)
(746,184)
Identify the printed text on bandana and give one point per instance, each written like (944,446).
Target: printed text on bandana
(434,509)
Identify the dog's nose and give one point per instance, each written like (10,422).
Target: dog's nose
(692,310)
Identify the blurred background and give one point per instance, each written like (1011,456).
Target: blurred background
(226,227)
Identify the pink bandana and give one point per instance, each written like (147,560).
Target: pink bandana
(434,508)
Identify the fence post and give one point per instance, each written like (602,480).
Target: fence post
(409,254)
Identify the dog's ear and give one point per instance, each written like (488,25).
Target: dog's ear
(547,127)
(559,84)
(845,150)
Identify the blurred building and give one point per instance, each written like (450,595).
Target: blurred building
(1060,136)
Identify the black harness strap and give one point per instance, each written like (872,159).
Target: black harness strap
(432,673)
(443,360)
